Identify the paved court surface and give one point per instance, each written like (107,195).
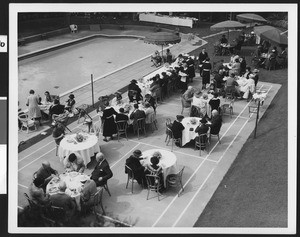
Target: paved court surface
(201,177)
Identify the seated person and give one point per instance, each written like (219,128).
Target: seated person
(58,133)
(87,192)
(231,84)
(150,100)
(202,129)
(133,162)
(74,163)
(70,103)
(117,100)
(223,40)
(215,102)
(136,114)
(249,88)
(37,192)
(219,65)
(177,128)
(154,169)
(156,59)
(73,28)
(247,72)
(282,57)
(48,99)
(236,67)
(148,111)
(61,199)
(216,122)
(200,102)
(188,97)
(218,78)
(121,115)
(102,171)
(56,109)
(46,173)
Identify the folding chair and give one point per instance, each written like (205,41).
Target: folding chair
(154,184)
(140,126)
(122,128)
(201,141)
(171,137)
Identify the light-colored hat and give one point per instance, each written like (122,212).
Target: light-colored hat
(255,70)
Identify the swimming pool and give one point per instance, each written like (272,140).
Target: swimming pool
(61,70)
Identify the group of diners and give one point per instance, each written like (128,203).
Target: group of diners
(64,196)
(268,57)
(45,109)
(117,110)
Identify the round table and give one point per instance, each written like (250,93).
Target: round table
(86,149)
(73,183)
(189,133)
(168,161)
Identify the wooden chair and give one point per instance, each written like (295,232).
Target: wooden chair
(202,141)
(98,201)
(140,126)
(154,184)
(122,128)
(175,180)
(171,137)
(26,122)
(227,107)
(130,177)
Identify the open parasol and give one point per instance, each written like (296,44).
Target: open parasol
(228,25)
(271,34)
(162,38)
(250,17)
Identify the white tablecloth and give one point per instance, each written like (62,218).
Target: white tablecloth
(177,21)
(73,183)
(86,149)
(168,161)
(188,135)
(131,109)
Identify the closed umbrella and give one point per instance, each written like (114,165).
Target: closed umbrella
(250,17)
(162,38)
(228,25)
(271,34)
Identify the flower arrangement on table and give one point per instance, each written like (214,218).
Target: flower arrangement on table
(157,154)
(193,121)
(80,137)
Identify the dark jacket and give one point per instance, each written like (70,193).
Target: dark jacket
(177,129)
(56,109)
(121,116)
(101,170)
(138,170)
(216,123)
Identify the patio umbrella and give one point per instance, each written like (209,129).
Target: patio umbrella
(271,34)
(250,17)
(228,25)
(162,38)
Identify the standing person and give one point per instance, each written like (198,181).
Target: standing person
(202,56)
(134,88)
(102,171)
(256,77)
(206,73)
(48,98)
(223,40)
(70,103)
(243,65)
(184,73)
(109,125)
(34,111)
(133,162)
(169,56)
(191,67)
(177,128)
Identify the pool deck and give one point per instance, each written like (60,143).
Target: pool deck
(202,174)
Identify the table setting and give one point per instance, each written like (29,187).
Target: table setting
(74,182)
(85,144)
(167,160)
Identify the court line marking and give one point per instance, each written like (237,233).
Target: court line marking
(182,213)
(199,167)
(180,216)
(124,155)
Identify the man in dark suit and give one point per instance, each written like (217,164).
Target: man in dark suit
(216,122)
(137,114)
(133,162)
(61,199)
(121,116)
(56,109)
(177,128)
(102,171)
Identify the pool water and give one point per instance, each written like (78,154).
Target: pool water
(64,69)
